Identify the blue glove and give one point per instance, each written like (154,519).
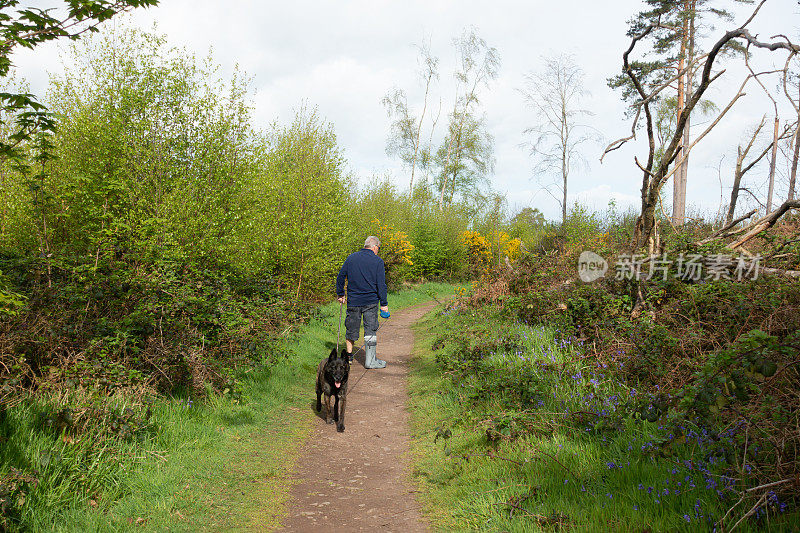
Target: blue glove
(385,314)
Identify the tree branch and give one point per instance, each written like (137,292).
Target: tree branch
(722,232)
(765,223)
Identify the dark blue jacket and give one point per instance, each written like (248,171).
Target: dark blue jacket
(366,279)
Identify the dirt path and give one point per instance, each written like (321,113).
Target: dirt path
(359,480)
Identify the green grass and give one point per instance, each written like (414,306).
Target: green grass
(500,449)
(215,465)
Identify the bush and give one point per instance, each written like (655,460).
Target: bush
(397,253)
(431,254)
(173,325)
(433,235)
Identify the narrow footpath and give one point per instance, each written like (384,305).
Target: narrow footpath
(360,480)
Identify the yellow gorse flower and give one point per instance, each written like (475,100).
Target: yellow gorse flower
(396,248)
(478,247)
(507,246)
(481,249)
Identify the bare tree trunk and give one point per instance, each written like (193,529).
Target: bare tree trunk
(564,161)
(741,169)
(678,208)
(772,165)
(682,176)
(793,175)
(737,180)
(564,200)
(453,185)
(5,194)
(419,133)
(684,94)
(679,180)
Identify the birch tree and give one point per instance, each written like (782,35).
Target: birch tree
(795,101)
(405,140)
(467,150)
(556,94)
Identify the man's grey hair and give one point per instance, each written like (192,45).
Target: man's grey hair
(372,240)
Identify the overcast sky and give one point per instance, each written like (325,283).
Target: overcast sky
(343,57)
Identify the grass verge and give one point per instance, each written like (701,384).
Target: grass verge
(514,431)
(175,464)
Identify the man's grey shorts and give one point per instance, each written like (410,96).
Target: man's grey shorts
(352,321)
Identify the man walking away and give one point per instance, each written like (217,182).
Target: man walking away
(366,288)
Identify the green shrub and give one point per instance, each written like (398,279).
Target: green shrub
(431,255)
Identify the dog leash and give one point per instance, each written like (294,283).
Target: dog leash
(339,333)
(356,350)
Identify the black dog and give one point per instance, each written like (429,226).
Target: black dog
(332,376)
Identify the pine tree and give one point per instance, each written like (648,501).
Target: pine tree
(674,45)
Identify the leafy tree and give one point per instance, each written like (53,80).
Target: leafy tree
(430,255)
(467,153)
(31,26)
(465,159)
(151,144)
(530,216)
(556,95)
(405,140)
(301,215)
(527,225)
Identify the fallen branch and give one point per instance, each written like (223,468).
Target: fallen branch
(794,274)
(559,463)
(722,232)
(769,485)
(749,513)
(516,505)
(775,253)
(765,223)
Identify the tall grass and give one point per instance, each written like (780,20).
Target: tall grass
(216,464)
